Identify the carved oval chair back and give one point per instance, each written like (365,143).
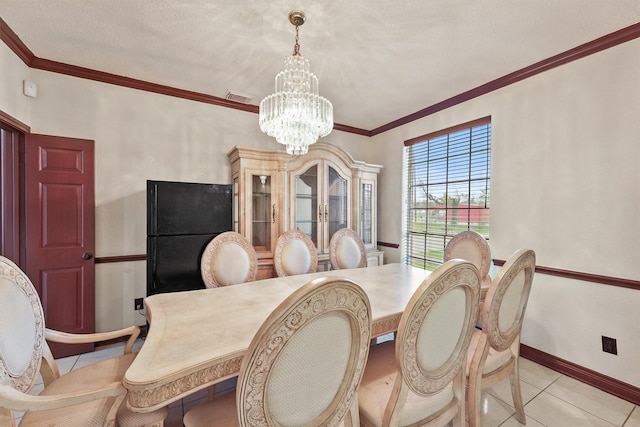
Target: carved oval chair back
(228,259)
(303,365)
(346,250)
(295,254)
(472,247)
(494,351)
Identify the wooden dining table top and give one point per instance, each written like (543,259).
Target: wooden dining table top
(198,338)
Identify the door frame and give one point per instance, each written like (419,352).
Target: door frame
(10,243)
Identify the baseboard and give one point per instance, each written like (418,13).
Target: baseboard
(610,385)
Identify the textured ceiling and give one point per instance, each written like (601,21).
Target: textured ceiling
(377,61)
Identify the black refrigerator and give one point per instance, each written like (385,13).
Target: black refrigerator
(182,217)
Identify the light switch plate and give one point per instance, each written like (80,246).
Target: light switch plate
(29,88)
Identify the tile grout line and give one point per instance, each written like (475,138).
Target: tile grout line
(575,406)
(531,400)
(542,390)
(629,416)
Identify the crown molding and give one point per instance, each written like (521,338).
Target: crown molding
(14,43)
(115,79)
(13,122)
(610,40)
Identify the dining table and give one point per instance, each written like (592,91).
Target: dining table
(198,338)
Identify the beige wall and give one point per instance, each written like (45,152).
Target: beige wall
(565,182)
(13,72)
(565,174)
(138,136)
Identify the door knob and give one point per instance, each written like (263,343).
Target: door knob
(87,255)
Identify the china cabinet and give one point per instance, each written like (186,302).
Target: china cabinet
(258,201)
(317,193)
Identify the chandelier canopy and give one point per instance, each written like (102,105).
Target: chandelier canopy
(296,115)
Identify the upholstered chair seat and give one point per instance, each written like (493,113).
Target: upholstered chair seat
(228,259)
(295,254)
(346,250)
(495,359)
(375,394)
(96,375)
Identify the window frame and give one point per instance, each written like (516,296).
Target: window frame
(428,253)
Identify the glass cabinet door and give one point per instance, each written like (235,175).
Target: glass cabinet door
(320,200)
(336,212)
(263,214)
(236,206)
(366,205)
(307,208)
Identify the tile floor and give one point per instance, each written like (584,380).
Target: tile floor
(551,399)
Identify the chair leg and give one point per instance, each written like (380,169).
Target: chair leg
(514,377)
(474,393)
(459,393)
(352,418)
(474,383)
(6,418)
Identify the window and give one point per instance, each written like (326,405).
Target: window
(447,189)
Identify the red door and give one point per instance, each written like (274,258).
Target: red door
(59,233)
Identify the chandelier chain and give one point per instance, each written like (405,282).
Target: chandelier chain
(296,47)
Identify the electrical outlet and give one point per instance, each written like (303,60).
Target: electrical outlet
(609,345)
(138,304)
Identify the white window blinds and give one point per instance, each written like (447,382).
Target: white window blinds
(447,190)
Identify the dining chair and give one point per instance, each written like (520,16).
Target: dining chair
(420,378)
(471,246)
(494,350)
(228,259)
(295,254)
(91,395)
(346,250)
(303,365)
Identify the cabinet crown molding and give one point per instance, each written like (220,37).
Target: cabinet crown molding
(315,150)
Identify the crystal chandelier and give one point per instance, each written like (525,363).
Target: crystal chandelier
(295,115)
